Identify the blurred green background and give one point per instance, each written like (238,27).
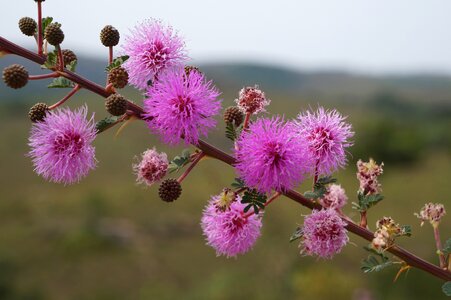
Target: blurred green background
(107,238)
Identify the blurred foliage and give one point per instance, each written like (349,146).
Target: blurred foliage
(399,132)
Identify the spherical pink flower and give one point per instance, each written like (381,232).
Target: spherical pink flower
(228,231)
(335,197)
(324,233)
(61,145)
(252,100)
(328,136)
(270,156)
(152,47)
(181,106)
(152,167)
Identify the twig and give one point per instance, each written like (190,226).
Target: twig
(67,97)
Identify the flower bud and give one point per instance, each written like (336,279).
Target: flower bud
(109,36)
(38,112)
(15,76)
(233,115)
(53,34)
(170,190)
(27,26)
(116,105)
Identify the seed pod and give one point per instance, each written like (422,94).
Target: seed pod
(233,115)
(116,105)
(109,36)
(118,77)
(28,26)
(53,34)
(68,56)
(38,112)
(15,76)
(170,190)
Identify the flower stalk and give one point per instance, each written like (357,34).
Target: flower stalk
(363,219)
(196,160)
(438,244)
(67,97)
(60,58)
(110,56)
(246,120)
(44,76)
(40,34)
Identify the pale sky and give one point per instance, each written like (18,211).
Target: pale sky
(370,36)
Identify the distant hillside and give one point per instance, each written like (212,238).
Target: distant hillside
(321,86)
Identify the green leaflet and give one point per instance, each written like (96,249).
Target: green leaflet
(179,161)
(117,62)
(299,232)
(254,200)
(320,187)
(106,123)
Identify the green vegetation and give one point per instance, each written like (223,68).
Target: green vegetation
(107,238)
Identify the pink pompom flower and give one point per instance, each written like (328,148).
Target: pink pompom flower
(228,230)
(152,167)
(335,197)
(328,137)
(152,47)
(181,106)
(324,233)
(61,145)
(270,156)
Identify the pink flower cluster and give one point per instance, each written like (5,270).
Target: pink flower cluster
(270,155)
(324,233)
(335,197)
(152,48)
(61,145)
(181,106)
(152,167)
(228,230)
(327,136)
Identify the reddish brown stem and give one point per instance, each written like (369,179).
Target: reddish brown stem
(363,219)
(110,88)
(43,76)
(67,97)
(246,121)
(110,57)
(61,65)
(191,167)
(438,244)
(83,82)
(274,197)
(214,152)
(315,178)
(39,28)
